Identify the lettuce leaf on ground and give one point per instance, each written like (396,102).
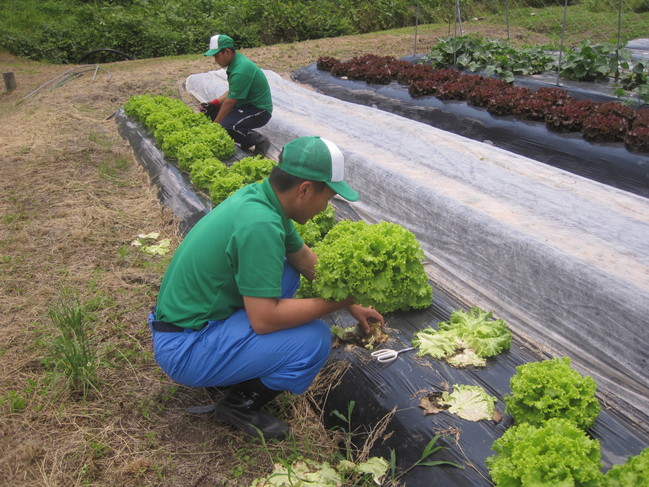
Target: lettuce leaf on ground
(469,402)
(477,330)
(467,338)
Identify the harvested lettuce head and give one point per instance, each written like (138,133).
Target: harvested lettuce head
(380,264)
(467,338)
(469,402)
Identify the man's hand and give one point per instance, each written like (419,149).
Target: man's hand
(210,109)
(365,316)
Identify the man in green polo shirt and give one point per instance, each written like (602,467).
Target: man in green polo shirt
(247,104)
(226,314)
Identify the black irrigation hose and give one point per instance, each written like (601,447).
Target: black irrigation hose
(88,54)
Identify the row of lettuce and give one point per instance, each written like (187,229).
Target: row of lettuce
(382,266)
(562,113)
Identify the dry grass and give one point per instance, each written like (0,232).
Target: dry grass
(72,199)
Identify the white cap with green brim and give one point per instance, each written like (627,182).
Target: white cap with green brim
(218,43)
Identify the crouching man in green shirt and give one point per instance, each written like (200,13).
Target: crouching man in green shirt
(226,315)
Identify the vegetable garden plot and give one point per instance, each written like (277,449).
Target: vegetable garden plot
(561,258)
(608,163)
(378,388)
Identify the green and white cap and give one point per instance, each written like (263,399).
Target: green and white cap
(317,159)
(218,43)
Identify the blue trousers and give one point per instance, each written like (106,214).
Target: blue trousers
(228,351)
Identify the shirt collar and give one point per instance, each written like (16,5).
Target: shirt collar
(272,199)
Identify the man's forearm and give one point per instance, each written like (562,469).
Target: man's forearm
(226,107)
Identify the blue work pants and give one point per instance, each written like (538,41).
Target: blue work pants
(229,351)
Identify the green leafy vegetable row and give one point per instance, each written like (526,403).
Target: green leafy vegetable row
(199,145)
(552,405)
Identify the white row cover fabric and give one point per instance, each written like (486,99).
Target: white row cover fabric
(563,259)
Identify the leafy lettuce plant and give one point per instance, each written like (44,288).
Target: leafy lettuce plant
(467,338)
(205,171)
(552,389)
(248,170)
(380,264)
(317,227)
(557,453)
(635,472)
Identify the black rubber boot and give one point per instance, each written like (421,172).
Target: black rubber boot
(242,408)
(261,143)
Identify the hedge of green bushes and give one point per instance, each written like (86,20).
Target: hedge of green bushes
(64,31)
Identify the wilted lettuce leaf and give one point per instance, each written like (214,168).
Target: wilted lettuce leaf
(477,330)
(437,345)
(469,402)
(308,473)
(465,339)
(465,358)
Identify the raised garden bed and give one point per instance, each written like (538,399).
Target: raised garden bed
(582,131)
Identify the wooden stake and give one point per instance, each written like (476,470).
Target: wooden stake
(10,81)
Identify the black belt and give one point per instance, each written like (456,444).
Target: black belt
(167,327)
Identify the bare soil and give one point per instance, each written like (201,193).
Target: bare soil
(73,198)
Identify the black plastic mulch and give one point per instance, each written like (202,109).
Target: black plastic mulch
(378,388)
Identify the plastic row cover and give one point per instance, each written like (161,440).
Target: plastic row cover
(608,163)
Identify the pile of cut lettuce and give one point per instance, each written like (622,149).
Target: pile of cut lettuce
(467,338)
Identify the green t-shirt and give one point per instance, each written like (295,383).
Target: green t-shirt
(236,250)
(248,84)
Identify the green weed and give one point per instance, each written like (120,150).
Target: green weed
(71,356)
(15,401)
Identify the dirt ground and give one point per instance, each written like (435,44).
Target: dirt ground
(73,199)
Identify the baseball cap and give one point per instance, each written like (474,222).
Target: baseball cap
(219,42)
(317,159)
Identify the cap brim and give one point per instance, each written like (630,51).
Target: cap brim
(344,190)
(211,52)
